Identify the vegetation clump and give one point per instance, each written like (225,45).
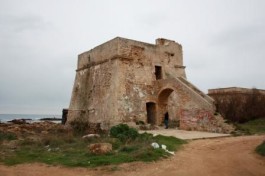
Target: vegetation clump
(261,149)
(124,133)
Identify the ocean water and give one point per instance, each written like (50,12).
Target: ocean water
(34,117)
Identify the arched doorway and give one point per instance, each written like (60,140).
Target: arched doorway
(151,113)
(162,103)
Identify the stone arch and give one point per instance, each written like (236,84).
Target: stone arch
(162,103)
(164,94)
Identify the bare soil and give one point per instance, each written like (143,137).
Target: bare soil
(233,156)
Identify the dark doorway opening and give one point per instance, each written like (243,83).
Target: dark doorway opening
(151,113)
(166,119)
(158,72)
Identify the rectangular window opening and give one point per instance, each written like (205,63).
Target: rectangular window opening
(158,72)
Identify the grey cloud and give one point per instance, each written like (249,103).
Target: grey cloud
(240,36)
(223,43)
(21,23)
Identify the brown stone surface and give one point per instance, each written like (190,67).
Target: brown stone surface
(125,81)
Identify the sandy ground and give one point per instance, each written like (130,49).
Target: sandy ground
(230,156)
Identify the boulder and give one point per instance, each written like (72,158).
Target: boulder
(19,121)
(155,145)
(100,148)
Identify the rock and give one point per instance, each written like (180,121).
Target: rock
(88,136)
(51,119)
(100,148)
(155,145)
(163,146)
(19,121)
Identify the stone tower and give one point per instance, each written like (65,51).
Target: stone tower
(124,80)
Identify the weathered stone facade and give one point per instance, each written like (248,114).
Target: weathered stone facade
(238,104)
(124,80)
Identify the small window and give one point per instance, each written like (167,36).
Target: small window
(158,72)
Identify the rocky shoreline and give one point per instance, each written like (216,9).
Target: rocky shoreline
(25,129)
(28,120)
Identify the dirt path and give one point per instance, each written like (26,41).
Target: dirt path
(233,156)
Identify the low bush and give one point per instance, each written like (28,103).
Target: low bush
(124,133)
(261,149)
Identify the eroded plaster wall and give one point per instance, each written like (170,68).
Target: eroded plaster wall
(94,93)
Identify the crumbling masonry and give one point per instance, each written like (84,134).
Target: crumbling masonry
(125,81)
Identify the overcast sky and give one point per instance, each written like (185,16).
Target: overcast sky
(223,43)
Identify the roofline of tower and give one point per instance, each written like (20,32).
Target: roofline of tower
(126,39)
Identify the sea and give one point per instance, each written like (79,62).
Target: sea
(34,117)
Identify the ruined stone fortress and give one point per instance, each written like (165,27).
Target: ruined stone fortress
(124,81)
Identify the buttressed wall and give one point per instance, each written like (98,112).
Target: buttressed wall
(124,80)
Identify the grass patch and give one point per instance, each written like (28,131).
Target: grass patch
(261,149)
(256,126)
(7,136)
(171,142)
(71,150)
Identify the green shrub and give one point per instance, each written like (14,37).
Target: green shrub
(261,149)
(124,133)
